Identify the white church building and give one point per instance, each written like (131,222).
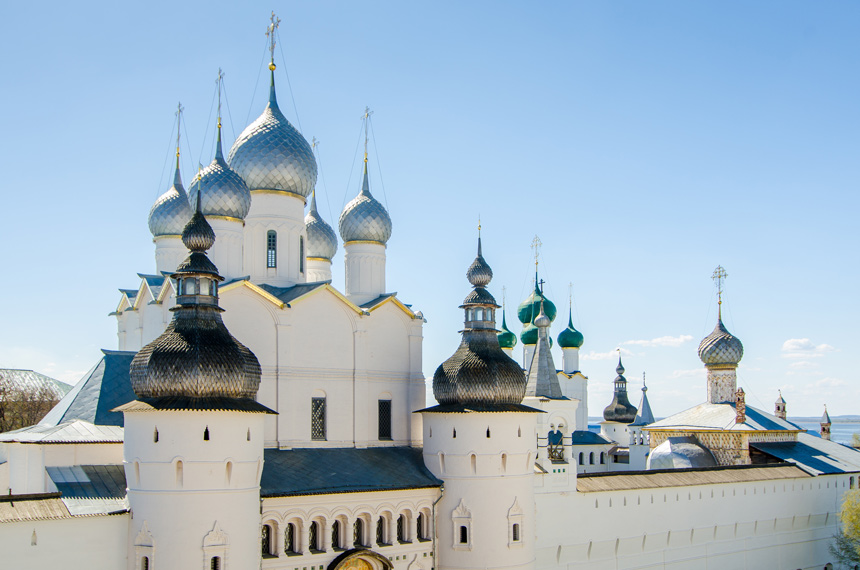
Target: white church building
(257,416)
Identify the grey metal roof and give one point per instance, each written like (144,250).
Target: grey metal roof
(32,508)
(585,437)
(154,282)
(73,431)
(28,379)
(103,388)
(542,376)
(722,417)
(183,403)
(288,472)
(378,301)
(644,416)
(478,407)
(624,480)
(289,294)
(91,489)
(814,455)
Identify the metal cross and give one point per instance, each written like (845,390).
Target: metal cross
(179,109)
(366,117)
(536,243)
(270,33)
(719,276)
(541,282)
(314,143)
(504,290)
(218,82)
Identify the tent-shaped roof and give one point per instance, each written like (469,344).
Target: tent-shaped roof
(101,389)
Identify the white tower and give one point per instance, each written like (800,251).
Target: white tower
(168,217)
(278,166)
(193,447)
(365,228)
(480,441)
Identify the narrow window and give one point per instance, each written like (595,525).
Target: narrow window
(421,535)
(206,434)
(601,458)
(266,540)
(504,463)
(581,458)
(272,249)
(215,563)
(455,433)
(248,436)
(464,535)
(488,433)
(519,432)
(179,474)
(380,531)
(137,473)
(358,532)
(318,419)
(313,536)
(155,436)
(335,534)
(851,482)
(442,462)
(474,461)
(591,458)
(516,532)
(144,563)
(385,419)
(290,539)
(301,254)
(401,528)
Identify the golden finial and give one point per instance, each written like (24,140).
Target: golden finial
(719,276)
(366,118)
(270,33)
(536,243)
(479,225)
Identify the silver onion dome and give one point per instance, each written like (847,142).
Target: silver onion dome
(479,273)
(224,192)
(271,154)
(196,363)
(171,210)
(721,348)
(364,218)
(680,453)
(620,409)
(322,241)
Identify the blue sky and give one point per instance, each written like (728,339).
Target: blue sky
(645,143)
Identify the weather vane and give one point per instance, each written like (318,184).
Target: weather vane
(719,276)
(536,243)
(270,33)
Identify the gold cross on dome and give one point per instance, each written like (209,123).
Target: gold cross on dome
(270,33)
(535,245)
(179,109)
(719,276)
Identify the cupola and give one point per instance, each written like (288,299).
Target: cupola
(364,219)
(570,337)
(322,241)
(620,410)
(222,190)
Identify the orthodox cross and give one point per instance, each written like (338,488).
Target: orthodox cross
(219,82)
(719,276)
(179,109)
(366,117)
(535,245)
(270,33)
(540,283)
(314,143)
(504,290)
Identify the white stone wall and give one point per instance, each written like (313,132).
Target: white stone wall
(768,524)
(365,271)
(169,252)
(226,253)
(488,470)
(414,552)
(91,543)
(283,213)
(194,498)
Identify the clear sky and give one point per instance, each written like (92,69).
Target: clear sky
(644,142)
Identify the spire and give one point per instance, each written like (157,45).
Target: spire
(542,376)
(644,416)
(219,153)
(620,410)
(176,177)
(270,34)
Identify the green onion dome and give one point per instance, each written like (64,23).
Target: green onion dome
(570,337)
(507,339)
(529,309)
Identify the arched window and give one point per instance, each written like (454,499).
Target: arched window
(290,539)
(581,458)
(473,459)
(144,563)
(601,458)
(420,525)
(401,529)
(266,540)
(215,563)
(314,536)
(358,532)
(464,535)
(851,482)
(206,434)
(335,534)
(591,458)
(516,532)
(155,436)
(301,254)
(272,248)
(318,419)
(179,473)
(380,531)
(384,420)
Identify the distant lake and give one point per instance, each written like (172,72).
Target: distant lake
(839,432)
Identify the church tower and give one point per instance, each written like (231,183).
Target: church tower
(278,166)
(365,228)
(480,441)
(193,450)
(721,352)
